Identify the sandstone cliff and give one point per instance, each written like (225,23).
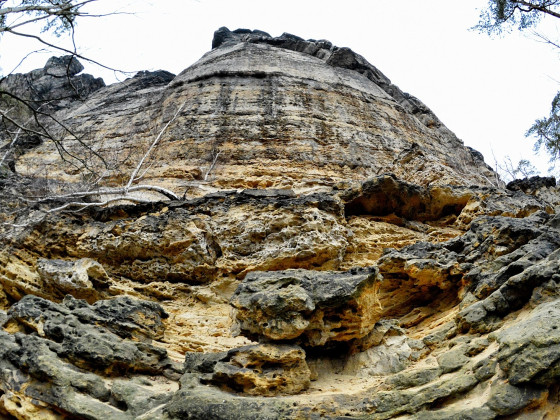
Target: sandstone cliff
(337,253)
(271,113)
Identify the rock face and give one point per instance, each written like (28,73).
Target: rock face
(308,306)
(56,86)
(336,253)
(252,117)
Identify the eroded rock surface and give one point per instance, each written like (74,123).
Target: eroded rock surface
(253,117)
(263,369)
(308,307)
(62,359)
(346,256)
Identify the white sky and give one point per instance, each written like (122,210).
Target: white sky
(487,90)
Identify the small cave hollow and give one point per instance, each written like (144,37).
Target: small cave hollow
(410,207)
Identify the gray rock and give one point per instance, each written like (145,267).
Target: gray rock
(530,185)
(415,377)
(530,349)
(65,66)
(391,404)
(3,318)
(391,356)
(305,306)
(507,399)
(516,290)
(138,397)
(453,359)
(55,86)
(64,362)
(485,369)
(439,335)
(476,413)
(90,340)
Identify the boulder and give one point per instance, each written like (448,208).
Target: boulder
(81,278)
(262,369)
(57,85)
(530,349)
(307,307)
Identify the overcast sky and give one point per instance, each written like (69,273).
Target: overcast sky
(487,90)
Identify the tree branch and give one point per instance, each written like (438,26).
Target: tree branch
(56,47)
(152,146)
(538,7)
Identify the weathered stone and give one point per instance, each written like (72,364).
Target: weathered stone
(137,397)
(391,404)
(268,153)
(89,340)
(391,356)
(530,185)
(437,337)
(515,290)
(415,377)
(55,86)
(474,413)
(38,383)
(264,369)
(250,71)
(453,359)
(197,240)
(76,278)
(485,369)
(3,318)
(507,399)
(530,348)
(384,195)
(308,307)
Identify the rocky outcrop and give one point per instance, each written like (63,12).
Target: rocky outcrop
(56,86)
(309,307)
(263,369)
(424,331)
(337,253)
(252,117)
(343,58)
(60,360)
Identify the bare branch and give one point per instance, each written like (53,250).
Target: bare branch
(152,146)
(121,191)
(100,203)
(531,7)
(59,48)
(211,167)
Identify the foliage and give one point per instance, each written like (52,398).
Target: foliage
(504,15)
(547,130)
(55,16)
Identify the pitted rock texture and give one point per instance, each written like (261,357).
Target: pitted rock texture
(74,278)
(437,339)
(308,307)
(264,369)
(60,360)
